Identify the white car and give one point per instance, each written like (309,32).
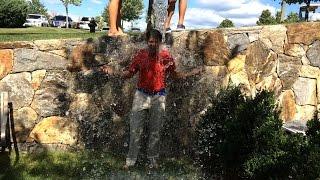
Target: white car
(36,20)
(83,24)
(314,16)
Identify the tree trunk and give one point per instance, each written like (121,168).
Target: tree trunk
(283,10)
(149,18)
(67,18)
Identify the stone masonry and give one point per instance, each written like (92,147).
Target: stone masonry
(55,106)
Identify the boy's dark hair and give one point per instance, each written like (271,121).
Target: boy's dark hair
(155,34)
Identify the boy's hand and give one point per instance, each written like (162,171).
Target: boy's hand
(107,69)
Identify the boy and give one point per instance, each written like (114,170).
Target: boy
(153,66)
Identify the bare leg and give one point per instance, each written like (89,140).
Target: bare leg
(171,8)
(119,19)
(182,10)
(113,15)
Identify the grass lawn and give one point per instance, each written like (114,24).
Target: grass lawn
(36,33)
(88,165)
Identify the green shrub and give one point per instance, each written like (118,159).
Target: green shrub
(238,131)
(242,138)
(13,13)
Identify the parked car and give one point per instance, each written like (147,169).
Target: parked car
(105,29)
(60,21)
(83,24)
(36,20)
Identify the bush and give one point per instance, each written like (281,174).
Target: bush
(236,132)
(242,138)
(226,23)
(13,13)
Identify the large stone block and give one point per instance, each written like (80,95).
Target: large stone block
(238,75)
(270,83)
(52,44)
(236,64)
(303,33)
(277,35)
(19,88)
(295,50)
(305,91)
(83,108)
(238,42)
(313,54)
(309,72)
(260,62)
(55,130)
(6,61)
(37,77)
(15,45)
(287,105)
(305,113)
(288,70)
(31,60)
(52,98)
(215,49)
(24,121)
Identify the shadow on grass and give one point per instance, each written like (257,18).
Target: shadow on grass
(91,164)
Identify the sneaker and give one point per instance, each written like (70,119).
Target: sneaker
(168,30)
(153,164)
(180,27)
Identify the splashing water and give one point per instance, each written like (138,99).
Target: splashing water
(160,14)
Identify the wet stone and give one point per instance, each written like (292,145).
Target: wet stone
(313,54)
(31,60)
(305,91)
(288,106)
(19,88)
(25,119)
(52,98)
(238,42)
(55,130)
(288,70)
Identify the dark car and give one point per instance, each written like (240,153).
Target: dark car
(60,21)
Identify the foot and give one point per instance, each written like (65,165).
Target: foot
(168,30)
(120,31)
(115,34)
(127,167)
(180,27)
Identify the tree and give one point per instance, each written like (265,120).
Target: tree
(13,13)
(131,10)
(66,3)
(105,13)
(278,17)
(292,18)
(226,23)
(36,7)
(266,18)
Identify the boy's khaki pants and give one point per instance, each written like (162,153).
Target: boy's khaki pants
(143,104)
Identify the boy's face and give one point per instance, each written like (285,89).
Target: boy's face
(153,44)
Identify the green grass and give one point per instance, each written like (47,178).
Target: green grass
(88,165)
(37,33)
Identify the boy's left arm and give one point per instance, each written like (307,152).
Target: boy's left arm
(184,75)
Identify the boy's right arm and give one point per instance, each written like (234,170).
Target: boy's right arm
(111,71)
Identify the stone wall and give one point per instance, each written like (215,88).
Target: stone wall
(87,109)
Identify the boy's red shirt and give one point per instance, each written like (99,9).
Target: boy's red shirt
(152,70)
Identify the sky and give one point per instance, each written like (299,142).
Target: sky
(201,14)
